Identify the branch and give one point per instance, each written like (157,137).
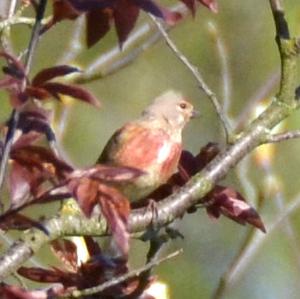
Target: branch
(195,72)
(274,138)
(224,67)
(122,278)
(16,20)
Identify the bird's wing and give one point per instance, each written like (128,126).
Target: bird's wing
(138,146)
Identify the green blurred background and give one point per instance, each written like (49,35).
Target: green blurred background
(247,32)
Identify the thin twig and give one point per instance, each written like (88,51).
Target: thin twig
(156,244)
(201,83)
(122,278)
(14,118)
(16,20)
(75,45)
(12,8)
(274,138)
(224,68)
(5,32)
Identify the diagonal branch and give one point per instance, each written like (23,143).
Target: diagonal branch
(275,138)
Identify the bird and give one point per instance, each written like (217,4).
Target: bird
(152,144)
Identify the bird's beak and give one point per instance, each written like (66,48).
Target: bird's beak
(195,114)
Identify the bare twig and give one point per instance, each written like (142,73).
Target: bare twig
(225,72)
(17,20)
(195,72)
(274,138)
(5,32)
(14,118)
(12,8)
(156,244)
(122,278)
(75,44)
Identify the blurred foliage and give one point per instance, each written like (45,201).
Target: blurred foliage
(246,28)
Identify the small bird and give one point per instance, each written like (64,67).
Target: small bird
(152,143)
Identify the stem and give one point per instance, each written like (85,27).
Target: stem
(122,278)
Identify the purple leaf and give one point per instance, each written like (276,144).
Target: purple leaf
(71,90)
(53,72)
(97,25)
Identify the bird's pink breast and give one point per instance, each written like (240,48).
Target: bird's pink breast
(150,150)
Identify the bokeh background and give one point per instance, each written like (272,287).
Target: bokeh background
(246,32)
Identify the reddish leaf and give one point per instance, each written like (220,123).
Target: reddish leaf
(85,191)
(92,246)
(17,98)
(108,173)
(100,12)
(211,4)
(171,17)
(53,72)
(97,25)
(43,160)
(71,90)
(16,67)
(191,5)
(125,15)
(63,10)
(26,139)
(21,182)
(12,71)
(230,203)
(7,82)
(87,5)
(15,292)
(207,154)
(66,252)
(50,276)
(33,120)
(20,222)
(115,207)
(37,92)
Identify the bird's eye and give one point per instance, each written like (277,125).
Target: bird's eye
(183,105)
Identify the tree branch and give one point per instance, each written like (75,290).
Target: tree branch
(274,138)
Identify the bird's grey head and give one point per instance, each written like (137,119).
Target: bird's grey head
(171,107)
